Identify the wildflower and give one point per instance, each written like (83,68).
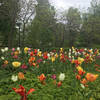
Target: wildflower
(39,60)
(44,62)
(22,92)
(6,62)
(2,50)
(21,76)
(14,78)
(81,72)
(45,55)
(26,49)
(84,81)
(61,50)
(24,66)
(15,56)
(6,48)
(61,76)
(16,52)
(78,77)
(91,77)
(53,76)
(53,59)
(42,77)
(13,49)
(18,48)
(2,58)
(39,53)
(80,60)
(82,86)
(16,64)
(59,84)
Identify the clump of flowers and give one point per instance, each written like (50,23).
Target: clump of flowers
(22,92)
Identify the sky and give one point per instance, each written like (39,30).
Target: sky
(65,4)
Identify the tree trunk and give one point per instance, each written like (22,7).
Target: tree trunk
(23,35)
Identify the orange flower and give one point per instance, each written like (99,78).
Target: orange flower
(81,72)
(6,62)
(78,77)
(84,81)
(21,76)
(59,84)
(76,62)
(91,77)
(32,59)
(34,64)
(42,77)
(16,52)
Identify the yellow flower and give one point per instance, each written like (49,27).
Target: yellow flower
(26,49)
(61,49)
(79,68)
(52,58)
(16,64)
(56,55)
(40,53)
(80,60)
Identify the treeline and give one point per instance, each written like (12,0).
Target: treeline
(36,24)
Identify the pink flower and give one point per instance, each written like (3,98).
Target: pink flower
(13,49)
(24,66)
(15,56)
(53,76)
(12,53)
(40,60)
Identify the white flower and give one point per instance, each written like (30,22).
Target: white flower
(14,78)
(65,52)
(61,76)
(18,48)
(91,49)
(48,55)
(2,50)
(38,50)
(6,48)
(70,50)
(69,56)
(85,49)
(76,53)
(73,57)
(2,58)
(69,53)
(44,62)
(82,86)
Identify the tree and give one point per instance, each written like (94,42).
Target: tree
(27,13)
(8,11)
(73,22)
(41,30)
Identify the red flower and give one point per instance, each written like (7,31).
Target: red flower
(59,84)
(22,92)
(78,77)
(42,77)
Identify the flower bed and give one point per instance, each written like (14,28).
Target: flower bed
(71,74)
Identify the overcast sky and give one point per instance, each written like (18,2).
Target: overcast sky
(65,4)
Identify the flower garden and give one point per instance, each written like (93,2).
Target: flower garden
(57,74)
